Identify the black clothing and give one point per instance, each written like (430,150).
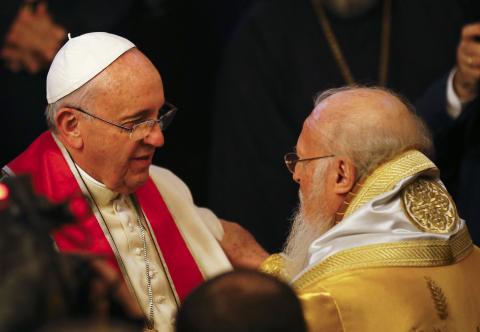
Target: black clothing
(457,145)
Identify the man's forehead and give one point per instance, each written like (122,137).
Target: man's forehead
(318,111)
(329,108)
(127,78)
(132,67)
(310,139)
(317,121)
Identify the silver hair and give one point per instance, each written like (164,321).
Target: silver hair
(377,145)
(77,99)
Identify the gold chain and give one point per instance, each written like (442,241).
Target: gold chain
(337,51)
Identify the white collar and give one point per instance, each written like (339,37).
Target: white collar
(102,195)
(381,220)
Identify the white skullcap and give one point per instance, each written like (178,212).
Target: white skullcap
(81,59)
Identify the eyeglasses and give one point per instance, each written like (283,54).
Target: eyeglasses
(291,159)
(141,130)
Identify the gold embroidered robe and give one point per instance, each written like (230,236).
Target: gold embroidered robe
(404,280)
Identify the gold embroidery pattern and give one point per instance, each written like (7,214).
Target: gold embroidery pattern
(441,328)
(274,265)
(405,253)
(429,207)
(438,297)
(385,177)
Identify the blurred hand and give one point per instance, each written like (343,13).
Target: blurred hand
(465,81)
(33,40)
(241,247)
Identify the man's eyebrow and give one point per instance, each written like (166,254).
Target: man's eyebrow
(137,115)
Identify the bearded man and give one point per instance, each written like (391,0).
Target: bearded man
(377,244)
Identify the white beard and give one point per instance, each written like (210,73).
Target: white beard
(306,229)
(302,234)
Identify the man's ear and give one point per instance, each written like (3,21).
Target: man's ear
(346,174)
(68,128)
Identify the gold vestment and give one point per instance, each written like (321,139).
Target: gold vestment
(429,285)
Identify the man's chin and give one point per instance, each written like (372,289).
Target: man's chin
(132,183)
(139,181)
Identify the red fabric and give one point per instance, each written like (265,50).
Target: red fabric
(183,269)
(52,177)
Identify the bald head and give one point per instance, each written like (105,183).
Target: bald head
(369,125)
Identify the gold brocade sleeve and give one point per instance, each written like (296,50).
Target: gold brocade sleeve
(274,265)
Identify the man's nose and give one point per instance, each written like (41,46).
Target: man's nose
(296,174)
(155,137)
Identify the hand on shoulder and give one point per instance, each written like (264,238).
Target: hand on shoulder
(240,246)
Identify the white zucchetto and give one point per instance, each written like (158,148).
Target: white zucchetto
(81,59)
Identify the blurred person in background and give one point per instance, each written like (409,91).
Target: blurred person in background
(457,131)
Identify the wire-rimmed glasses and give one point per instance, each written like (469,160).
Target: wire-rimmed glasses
(141,130)
(291,159)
